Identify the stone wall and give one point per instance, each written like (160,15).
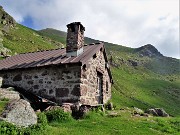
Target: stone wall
(58,83)
(89,86)
(64,84)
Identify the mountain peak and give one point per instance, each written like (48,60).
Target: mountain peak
(148,50)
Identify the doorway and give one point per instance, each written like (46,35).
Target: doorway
(100,88)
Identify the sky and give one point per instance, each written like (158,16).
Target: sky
(131,23)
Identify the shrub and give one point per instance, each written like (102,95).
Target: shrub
(40,126)
(8,129)
(42,119)
(58,115)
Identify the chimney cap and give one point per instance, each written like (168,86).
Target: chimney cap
(76,23)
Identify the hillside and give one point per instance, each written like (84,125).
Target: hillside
(15,38)
(143,77)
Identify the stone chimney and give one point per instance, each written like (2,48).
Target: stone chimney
(75,39)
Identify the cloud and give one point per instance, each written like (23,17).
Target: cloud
(130,23)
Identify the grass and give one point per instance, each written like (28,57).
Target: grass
(123,124)
(22,39)
(97,124)
(56,35)
(143,90)
(3,103)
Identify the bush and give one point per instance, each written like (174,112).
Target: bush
(58,115)
(42,119)
(8,129)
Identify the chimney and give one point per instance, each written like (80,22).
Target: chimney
(75,39)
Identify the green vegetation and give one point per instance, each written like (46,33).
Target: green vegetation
(56,35)
(58,115)
(142,86)
(22,39)
(3,103)
(98,123)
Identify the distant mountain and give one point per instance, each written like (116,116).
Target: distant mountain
(143,77)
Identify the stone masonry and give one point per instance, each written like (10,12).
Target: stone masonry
(63,83)
(56,83)
(75,37)
(89,85)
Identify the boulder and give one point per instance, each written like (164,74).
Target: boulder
(9,94)
(157,112)
(83,110)
(138,111)
(109,106)
(133,63)
(20,113)
(67,107)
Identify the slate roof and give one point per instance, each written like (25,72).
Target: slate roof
(49,57)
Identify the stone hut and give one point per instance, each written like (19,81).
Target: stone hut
(78,74)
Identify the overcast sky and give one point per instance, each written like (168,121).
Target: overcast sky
(131,23)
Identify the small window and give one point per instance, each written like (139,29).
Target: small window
(94,56)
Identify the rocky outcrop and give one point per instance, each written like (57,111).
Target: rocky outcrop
(133,63)
(109,106)
(157,112)
(9,94)
(20,113)
(6,19)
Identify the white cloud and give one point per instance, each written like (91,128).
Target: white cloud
(131,23)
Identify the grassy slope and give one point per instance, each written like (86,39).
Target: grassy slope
(155,82)
(54,34)
(145,87)
(98,123)
(21,39)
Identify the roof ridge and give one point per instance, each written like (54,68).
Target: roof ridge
(96,43)
(39,51)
